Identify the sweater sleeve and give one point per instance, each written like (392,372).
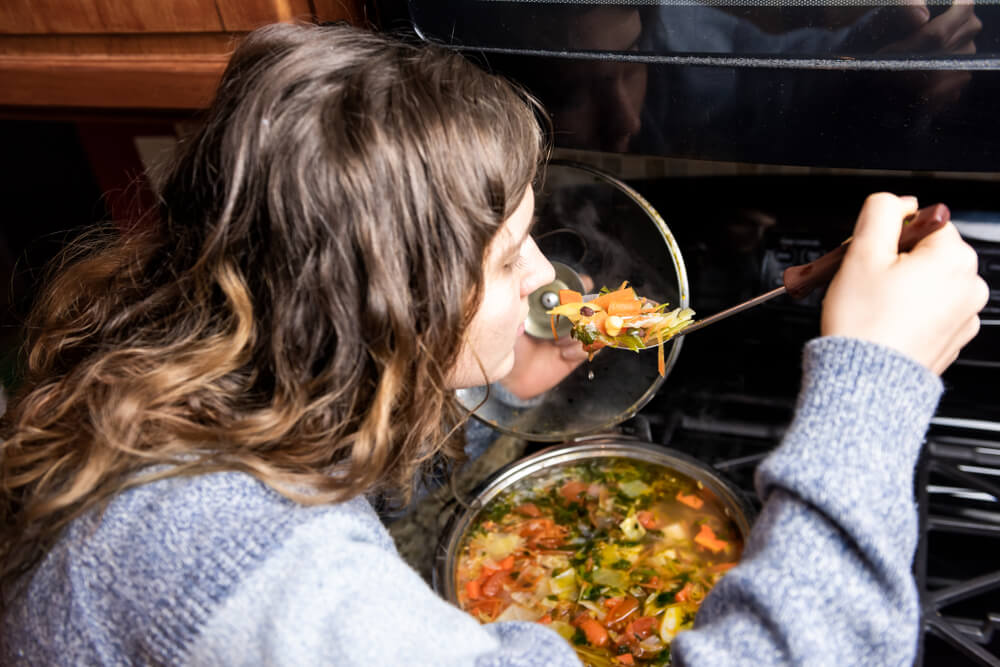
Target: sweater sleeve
(337,593)
(825,577)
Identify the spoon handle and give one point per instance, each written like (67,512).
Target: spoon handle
(801,280)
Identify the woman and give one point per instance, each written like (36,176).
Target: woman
(344,243)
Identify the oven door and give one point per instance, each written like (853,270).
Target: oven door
(862,85)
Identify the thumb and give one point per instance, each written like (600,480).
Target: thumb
(876,234)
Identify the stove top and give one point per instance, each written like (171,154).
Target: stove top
(732,392)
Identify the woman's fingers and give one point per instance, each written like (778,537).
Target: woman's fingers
(966,332)
(923,303)
(876,234)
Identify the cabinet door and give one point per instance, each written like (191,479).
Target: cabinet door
(29,17)
(33,17)
(133,54)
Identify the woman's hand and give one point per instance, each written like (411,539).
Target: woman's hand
(540,364)
(923,303)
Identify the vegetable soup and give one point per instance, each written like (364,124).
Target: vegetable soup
(614,554)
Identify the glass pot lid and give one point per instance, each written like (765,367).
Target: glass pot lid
(597,231)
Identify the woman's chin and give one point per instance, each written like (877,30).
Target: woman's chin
(504,368)
(473,377)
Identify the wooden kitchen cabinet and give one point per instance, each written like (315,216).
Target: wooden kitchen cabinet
(133,54)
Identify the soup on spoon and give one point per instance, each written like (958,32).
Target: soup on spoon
(619,318)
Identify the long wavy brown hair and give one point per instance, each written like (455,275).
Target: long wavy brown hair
(296,310)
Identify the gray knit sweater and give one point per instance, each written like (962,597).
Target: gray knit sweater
(220,570)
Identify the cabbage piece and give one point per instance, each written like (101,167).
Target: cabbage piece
(563,585)
(516,612)
(632,529)
(670,624)
(612,578)
(675,531)
(565,630)
(497,545)
(634,488)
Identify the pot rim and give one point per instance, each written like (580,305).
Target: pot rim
(733,500)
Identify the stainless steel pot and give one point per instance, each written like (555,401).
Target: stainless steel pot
(735,504)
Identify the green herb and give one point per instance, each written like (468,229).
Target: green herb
(579,638)
(662,658)
(629,341)
(498,510)
(583,335)
(621,565)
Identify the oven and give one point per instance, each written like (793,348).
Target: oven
(755,130)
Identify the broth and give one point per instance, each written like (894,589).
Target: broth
(614,554)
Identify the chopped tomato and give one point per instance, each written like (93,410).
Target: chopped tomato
(528,509)
(647,519)
(641,627)
(573,491)
(625,659)
(495,583)
(596,634)
(684,594)
(489,608)
(621,611)
(544,533)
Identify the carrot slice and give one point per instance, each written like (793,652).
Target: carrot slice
(624,308)
(661,364)
(618,296)
(473,589)
(706,538)
(552,323)
(691,501)
(569,296)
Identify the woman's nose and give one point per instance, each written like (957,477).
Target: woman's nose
(540,271)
